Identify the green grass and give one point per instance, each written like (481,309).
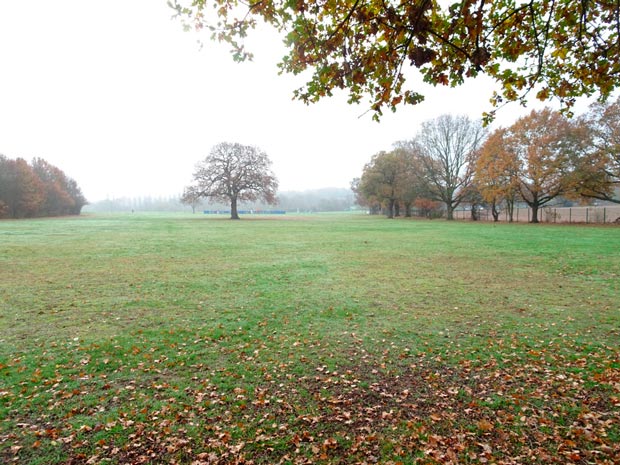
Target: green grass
(307,339)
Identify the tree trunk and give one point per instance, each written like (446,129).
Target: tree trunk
(494,212)
(474,212)
(534,207)
(396,209)
(510,205)
(390,213)
(233,209)
(408,210)
(449,211)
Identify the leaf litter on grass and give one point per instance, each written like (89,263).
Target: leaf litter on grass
(522,404)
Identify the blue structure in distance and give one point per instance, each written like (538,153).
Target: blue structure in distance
(245,212)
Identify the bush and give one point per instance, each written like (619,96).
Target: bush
(428,208)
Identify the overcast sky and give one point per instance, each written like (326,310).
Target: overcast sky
(118,96)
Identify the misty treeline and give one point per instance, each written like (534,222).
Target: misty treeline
(542,159)
(315,200)
(139,204)
(37,189)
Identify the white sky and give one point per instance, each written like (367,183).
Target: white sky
(120,98)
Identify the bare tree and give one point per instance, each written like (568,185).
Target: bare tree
(234,172)
(448,145)
(190,198)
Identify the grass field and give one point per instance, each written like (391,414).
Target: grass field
(308,339)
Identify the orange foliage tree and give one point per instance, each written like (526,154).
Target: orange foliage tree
(539,155)
(21,191)
(496,174)
(40,189)
(427,207)
(62,196)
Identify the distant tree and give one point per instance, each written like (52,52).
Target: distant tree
(21,191)
(76,195)
(412,182)
(358,195)
(364,198)
(600,170)
(37,189)
(448,145)
(562,49)
(57,201)
(546,148)
(190,198)
(355,188)
(381,180)
(427,208)
(496,174)
(233,172)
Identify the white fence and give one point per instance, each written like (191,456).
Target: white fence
(588,215)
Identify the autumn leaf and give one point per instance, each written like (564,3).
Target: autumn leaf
(485,425)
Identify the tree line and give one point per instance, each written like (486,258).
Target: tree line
(37,189)
(453,160)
